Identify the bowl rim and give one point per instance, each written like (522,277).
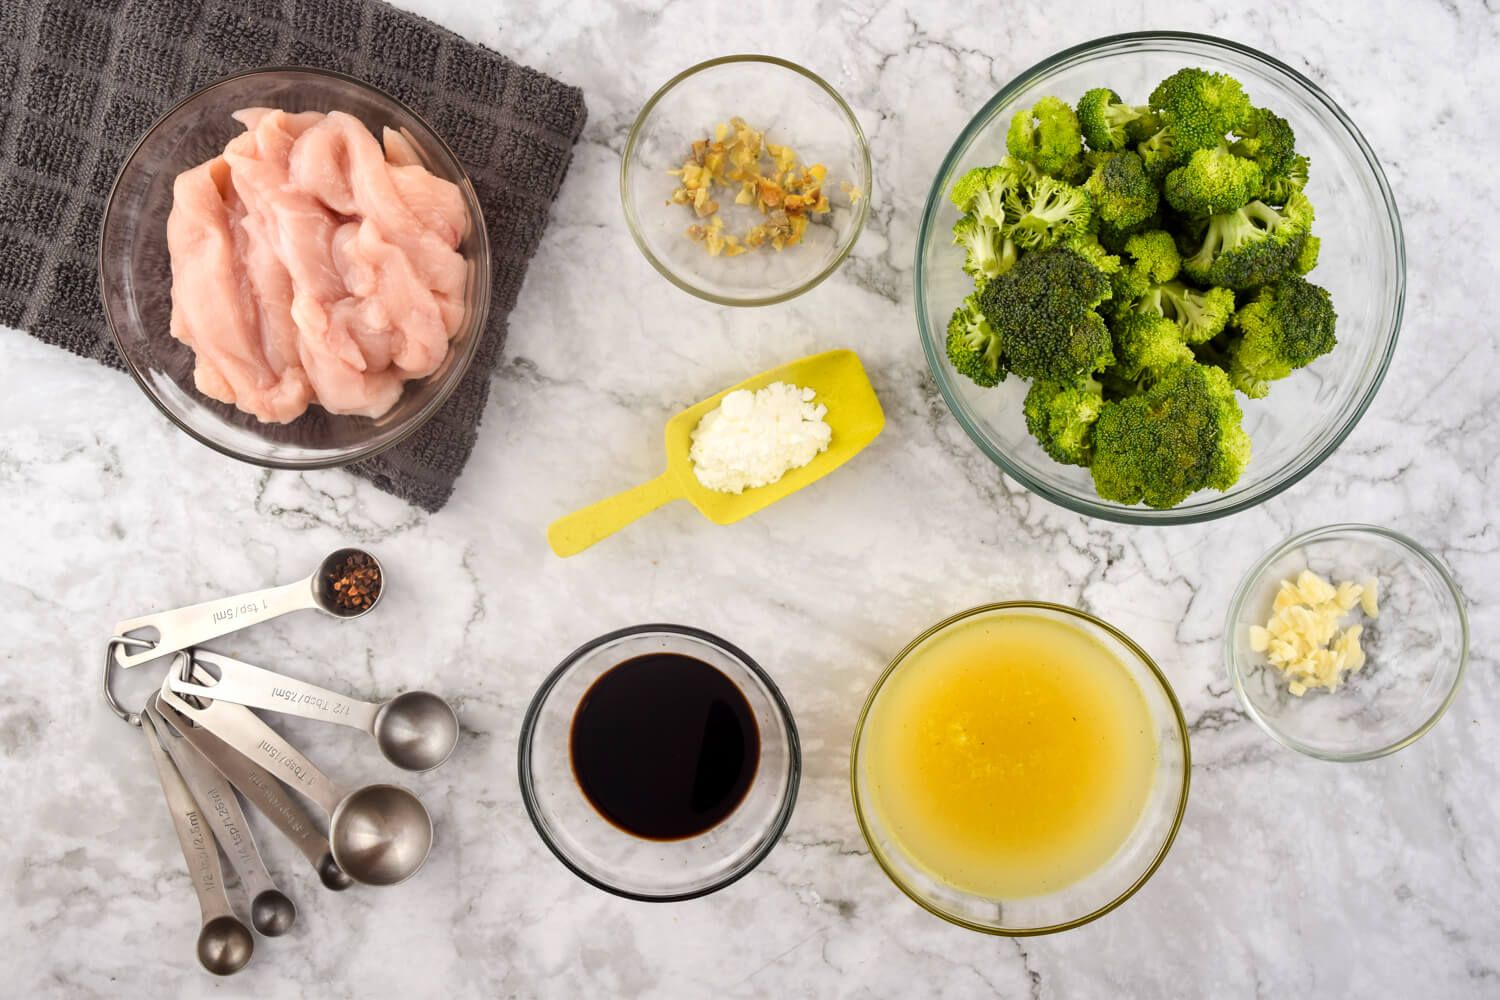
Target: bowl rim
(862,208)
(1254,575)
(1182,794)
(773,831)
(1093,506)
(482,270)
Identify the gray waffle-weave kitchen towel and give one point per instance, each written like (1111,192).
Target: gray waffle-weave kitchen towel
(81,80)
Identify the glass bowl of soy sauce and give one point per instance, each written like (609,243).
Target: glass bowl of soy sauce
(659,763)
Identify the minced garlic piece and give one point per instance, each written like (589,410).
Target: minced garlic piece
(1303,638)
(785,194)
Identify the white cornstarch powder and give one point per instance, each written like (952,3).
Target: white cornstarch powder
(754,438)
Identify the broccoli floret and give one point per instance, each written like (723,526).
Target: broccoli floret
(1181,435)
(973,346)
(1252,245)
(1154,254)
(1158,153)
(1087,246)
(1147,343)
(1201,315)
(1279,190)
(1047,211)
(1122,193)
(1044,311)
(1149,258)
(1047,135)
(982,191)
(1061,415)
(988,252)
(1212,181)
(1307,259)
(1268,139)
(1105,119)
(1199,108)
(1285,327)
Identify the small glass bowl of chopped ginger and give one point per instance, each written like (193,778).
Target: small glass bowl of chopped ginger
(1347,642)
(745,180)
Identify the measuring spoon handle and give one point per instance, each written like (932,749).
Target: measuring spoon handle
(285,811)
(244,732)
(215,796)
(183,627)
(192,832)
(257,687)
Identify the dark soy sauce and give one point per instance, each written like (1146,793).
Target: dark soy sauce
(664,746)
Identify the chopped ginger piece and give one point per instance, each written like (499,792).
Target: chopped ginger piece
(1369,598)
(782,191)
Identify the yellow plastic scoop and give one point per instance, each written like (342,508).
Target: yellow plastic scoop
(854,415)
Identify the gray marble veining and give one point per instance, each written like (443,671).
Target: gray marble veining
(1290,877)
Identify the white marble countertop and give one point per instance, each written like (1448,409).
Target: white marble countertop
(1290,877)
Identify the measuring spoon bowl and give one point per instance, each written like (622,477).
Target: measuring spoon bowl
(180,628)
(379,834)
(416,730)
(225,944)
(272,913)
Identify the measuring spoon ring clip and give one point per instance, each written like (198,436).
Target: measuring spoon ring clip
(111,661)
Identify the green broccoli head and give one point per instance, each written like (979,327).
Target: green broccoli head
(1154,254)
(973,346)
(1159,153)
(1122,192)
(1061,415)
(1212,181)
(1113,237)
(1046,135)
(1268,139)
(1308,258)
(1252,245)
(1278,190)
(1148,259)
(1199,108)
(988,252)
(1047,211)
(1106,120)
(982,191)
(1044,311)
(1087,246)
(1200,314)
(1147,343)
(1286,326)
(1181,435)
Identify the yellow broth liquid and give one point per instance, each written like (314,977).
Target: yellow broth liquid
(1010,757)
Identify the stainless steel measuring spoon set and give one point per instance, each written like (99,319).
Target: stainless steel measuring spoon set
(211,750)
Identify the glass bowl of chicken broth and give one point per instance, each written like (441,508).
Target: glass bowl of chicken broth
(1020,768)
(659,763)
(294,266)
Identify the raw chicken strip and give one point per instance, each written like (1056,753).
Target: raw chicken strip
(308,265)
(213,309)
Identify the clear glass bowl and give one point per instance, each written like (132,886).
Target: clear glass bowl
(1362,263)
(1102,890)
(601,853)
(794,107)
(1417,649)
(135,275)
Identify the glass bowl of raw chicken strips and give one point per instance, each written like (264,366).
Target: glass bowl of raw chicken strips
(295,268)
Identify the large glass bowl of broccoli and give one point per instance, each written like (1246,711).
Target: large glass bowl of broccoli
(1159,277)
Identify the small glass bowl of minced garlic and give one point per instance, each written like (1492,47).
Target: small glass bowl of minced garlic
(1347,642)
